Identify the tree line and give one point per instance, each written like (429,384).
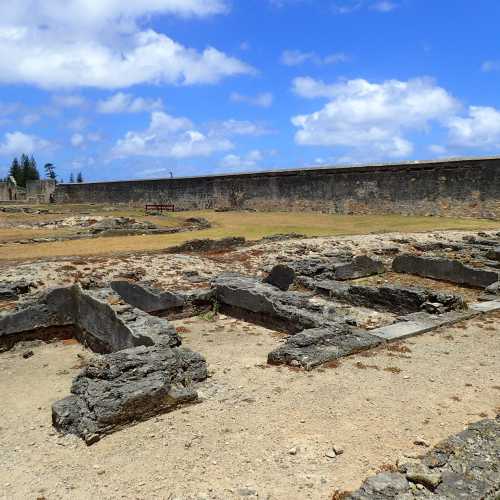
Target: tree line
(25,169)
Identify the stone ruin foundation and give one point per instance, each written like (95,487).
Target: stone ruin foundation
(143,370)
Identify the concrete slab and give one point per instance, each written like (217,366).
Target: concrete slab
(489,306)
(401,330)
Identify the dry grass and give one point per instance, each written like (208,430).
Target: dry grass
(251,225)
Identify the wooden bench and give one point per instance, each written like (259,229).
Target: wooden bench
(159,207)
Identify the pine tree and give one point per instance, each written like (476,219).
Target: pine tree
(50,171)
(29,171)
(79,177)
(71,178)
(16,171)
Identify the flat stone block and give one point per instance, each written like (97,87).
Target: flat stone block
(402,330)
(489,306)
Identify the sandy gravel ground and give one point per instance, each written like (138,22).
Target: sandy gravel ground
(260,432)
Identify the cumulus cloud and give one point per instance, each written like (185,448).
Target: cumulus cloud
(15,143)
(99,43)
(371,117)
(236,162)
(127,103)
(262,100)
(297,57)
(170,137)
(479,129)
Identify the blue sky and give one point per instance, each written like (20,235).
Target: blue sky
(211,86)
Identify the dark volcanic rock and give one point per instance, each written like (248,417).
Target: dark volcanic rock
(125,387)
(145,297)
(444,269)
(464,466)
(494,254)
(281,276)
(11,291)
(102,321)
(265,304)
(360,267)
(316,346)
(392,298)
(322,268)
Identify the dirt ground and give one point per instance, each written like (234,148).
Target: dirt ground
(260,432)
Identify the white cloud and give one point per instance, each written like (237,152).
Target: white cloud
(236,162)
(297,57)
(170,137)
(127,103)
(15,143)
(99,43)
(310,88)
(371,117)
(77,140)
(479,129)
(263,100)
(488,66)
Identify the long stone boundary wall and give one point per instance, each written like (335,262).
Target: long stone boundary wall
(462,187)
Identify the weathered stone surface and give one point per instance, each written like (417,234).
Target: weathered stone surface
(265,304)
(120,223)
(316,346)
(119,389)
(145,297)
(208,245)
(494,288)
(101,319)
(360,267)
(200,222)
(393,298)
(494,253)
(444,269)
(113,326)
(11,291)
(281,276)
(464,466)
(323,268)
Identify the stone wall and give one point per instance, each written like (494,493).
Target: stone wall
(40,191)
(465,187)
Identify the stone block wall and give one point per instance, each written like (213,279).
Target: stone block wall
(464,187)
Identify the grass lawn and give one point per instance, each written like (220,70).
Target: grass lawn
(251,225)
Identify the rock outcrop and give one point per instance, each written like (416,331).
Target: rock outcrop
(323,268)
(125,387)
(313,347)
(444,269)
(392,298)
(281,276)
(463,466)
